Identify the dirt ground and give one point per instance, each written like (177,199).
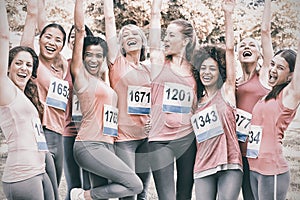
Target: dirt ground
(291,145)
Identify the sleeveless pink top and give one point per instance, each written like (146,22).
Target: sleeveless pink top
(274,119)
(92,99)
(24,161)
(70,127)
(121,75)
(53,118)
(220,152)
(170,126)
(247,94)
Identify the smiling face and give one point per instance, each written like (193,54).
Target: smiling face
(51,42)
(93,59)
(131,39)
(279,72)
(20,69)
(209,73)
(248,51)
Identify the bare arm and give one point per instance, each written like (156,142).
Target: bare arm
(6,86)
(77,67)
(110,30)
(156,54)
(291,93)
(30,24)
(228,7)
(266,41)
(42,21)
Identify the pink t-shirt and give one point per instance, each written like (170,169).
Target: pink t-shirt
(222,151)
(16,121)
(123,74)
(274,119)
(53,118)
(92,99)
(169,125)
(247,94)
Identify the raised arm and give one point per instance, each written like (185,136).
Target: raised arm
(6,86)
(228,8)
(77,67)
(291,93)
(266,42)
(30,24)
(41,18)
(156,53)
(110,31)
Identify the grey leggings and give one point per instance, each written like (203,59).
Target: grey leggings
(36,188)
(263,186)
(56,149)
(225,185)
(110,177)
(162,155)
(135,154)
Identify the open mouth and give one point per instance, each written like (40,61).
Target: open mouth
(247,53)
(22,75)
(131,43)
(272,78)
(50,49)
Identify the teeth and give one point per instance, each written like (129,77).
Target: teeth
(50,49)
(131,43)
(22,75)
(247,53)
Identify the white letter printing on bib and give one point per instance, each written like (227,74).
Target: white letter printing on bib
(138,100)
(207,124)
(58,94)
(39,134)
(177,98)
(110,120)
(243,120)
(254,141)
(76,112)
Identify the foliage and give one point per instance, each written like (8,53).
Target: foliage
(205,15)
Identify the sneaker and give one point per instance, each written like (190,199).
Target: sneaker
(77,194)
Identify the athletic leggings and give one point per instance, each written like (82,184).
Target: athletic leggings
(55,146)
(162,155)
(36,188)
(135,154)
(225,185)
(246,186)
(75,176)
(263,186)
(99,159)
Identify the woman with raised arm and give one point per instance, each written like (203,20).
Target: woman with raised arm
(271,115)
(93,149)
(130,78)
(252,86)
(24,175)
(173,98)
(75,176)
(53,90)
(218,167)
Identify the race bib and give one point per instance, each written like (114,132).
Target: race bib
(243,120)
(76,112)
(177,98)
(58,94)
(110,120)
(207,124)
(254,141)
(138,100)
(39,134)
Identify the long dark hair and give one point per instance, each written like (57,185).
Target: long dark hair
(200,55)
(31,90)
(290,57)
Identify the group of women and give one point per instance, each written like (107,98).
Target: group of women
(186,108)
